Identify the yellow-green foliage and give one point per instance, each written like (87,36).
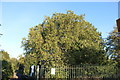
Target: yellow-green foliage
(64,39)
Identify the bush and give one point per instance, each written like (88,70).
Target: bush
(7,71)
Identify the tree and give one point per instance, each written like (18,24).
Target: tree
(21,64)
(113,46)
(14,63)
(64,39)
(5,55)
(7,71)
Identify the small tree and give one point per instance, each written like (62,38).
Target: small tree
(7,71)
(14,63)
(113,46)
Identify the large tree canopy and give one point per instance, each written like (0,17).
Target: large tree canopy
(64,39)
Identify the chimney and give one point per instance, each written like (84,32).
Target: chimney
(118,24)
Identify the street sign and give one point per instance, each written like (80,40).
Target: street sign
(53,71)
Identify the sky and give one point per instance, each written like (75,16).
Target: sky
(59,0)
(18,17)
(119,9)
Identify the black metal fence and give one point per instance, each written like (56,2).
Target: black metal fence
(79,72)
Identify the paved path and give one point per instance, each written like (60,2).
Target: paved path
(13,79)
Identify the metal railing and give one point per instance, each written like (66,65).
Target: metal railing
(79,71)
